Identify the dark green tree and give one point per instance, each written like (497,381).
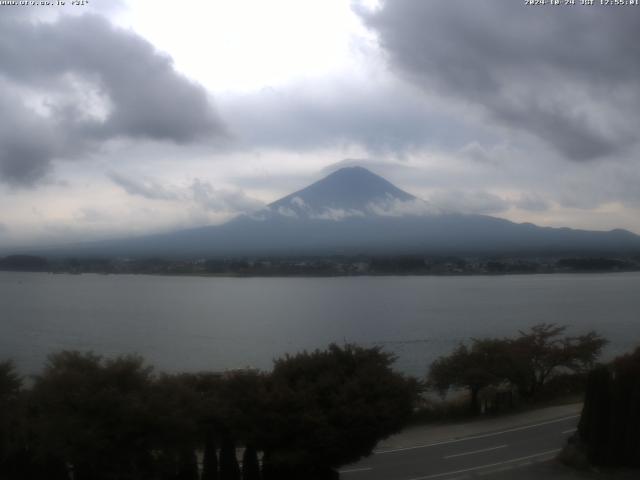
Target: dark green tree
(92,414)
(231,405)
(240,402)
(11,421)
(472,368)
(176,407)
(187,465)
(626,409)
(210,458)
(10,381)
(610,421)
(229,468)
(250,464)
(527,362)
(540,353)
(329,408)
(595,421)
(208,420)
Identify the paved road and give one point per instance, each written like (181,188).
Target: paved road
(467,457)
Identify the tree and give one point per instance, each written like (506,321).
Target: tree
(626,410)
(250,464)
(10,419)
(473,368)
(229,469)
(91,418)
(187,464)
(230,407)
(240,402)
(526,362)
(10,381)
(541,352)
(177,408)
(94,415)
(210,458)
(206,419)
(609,426)
(595,421)
(328,408)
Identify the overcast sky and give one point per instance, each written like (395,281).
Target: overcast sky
(123,117)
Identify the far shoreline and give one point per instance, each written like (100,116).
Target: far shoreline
(363,275)
(330,266)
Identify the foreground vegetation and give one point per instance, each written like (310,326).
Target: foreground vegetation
(532,365)
(85,417)
(90,418)
(609,429)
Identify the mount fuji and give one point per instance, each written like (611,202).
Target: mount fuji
(354,211)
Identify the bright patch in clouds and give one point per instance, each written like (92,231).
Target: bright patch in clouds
(244,45)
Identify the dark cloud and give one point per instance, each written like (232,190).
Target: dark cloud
(222,200)
(381,115)
(469,202)
(566,74)
(143,188)
(478,153)
(88,215)
(80,81)
(27,143)
(532,203)
(200,192)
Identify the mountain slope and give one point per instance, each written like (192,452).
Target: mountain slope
(353,189)
(354,211)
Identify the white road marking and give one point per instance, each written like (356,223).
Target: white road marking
(475,437)
(571,430)
(354,470)
(481,467)
(476,451)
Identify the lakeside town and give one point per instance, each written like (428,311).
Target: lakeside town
(324,266)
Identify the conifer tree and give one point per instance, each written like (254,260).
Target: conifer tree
(250,464)
(229,468)
(210,459)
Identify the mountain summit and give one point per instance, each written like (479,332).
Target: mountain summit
(354,211)
(351,188)
(348,192)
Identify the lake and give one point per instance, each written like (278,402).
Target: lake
(197,323)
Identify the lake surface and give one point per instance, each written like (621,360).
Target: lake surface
(194,323)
